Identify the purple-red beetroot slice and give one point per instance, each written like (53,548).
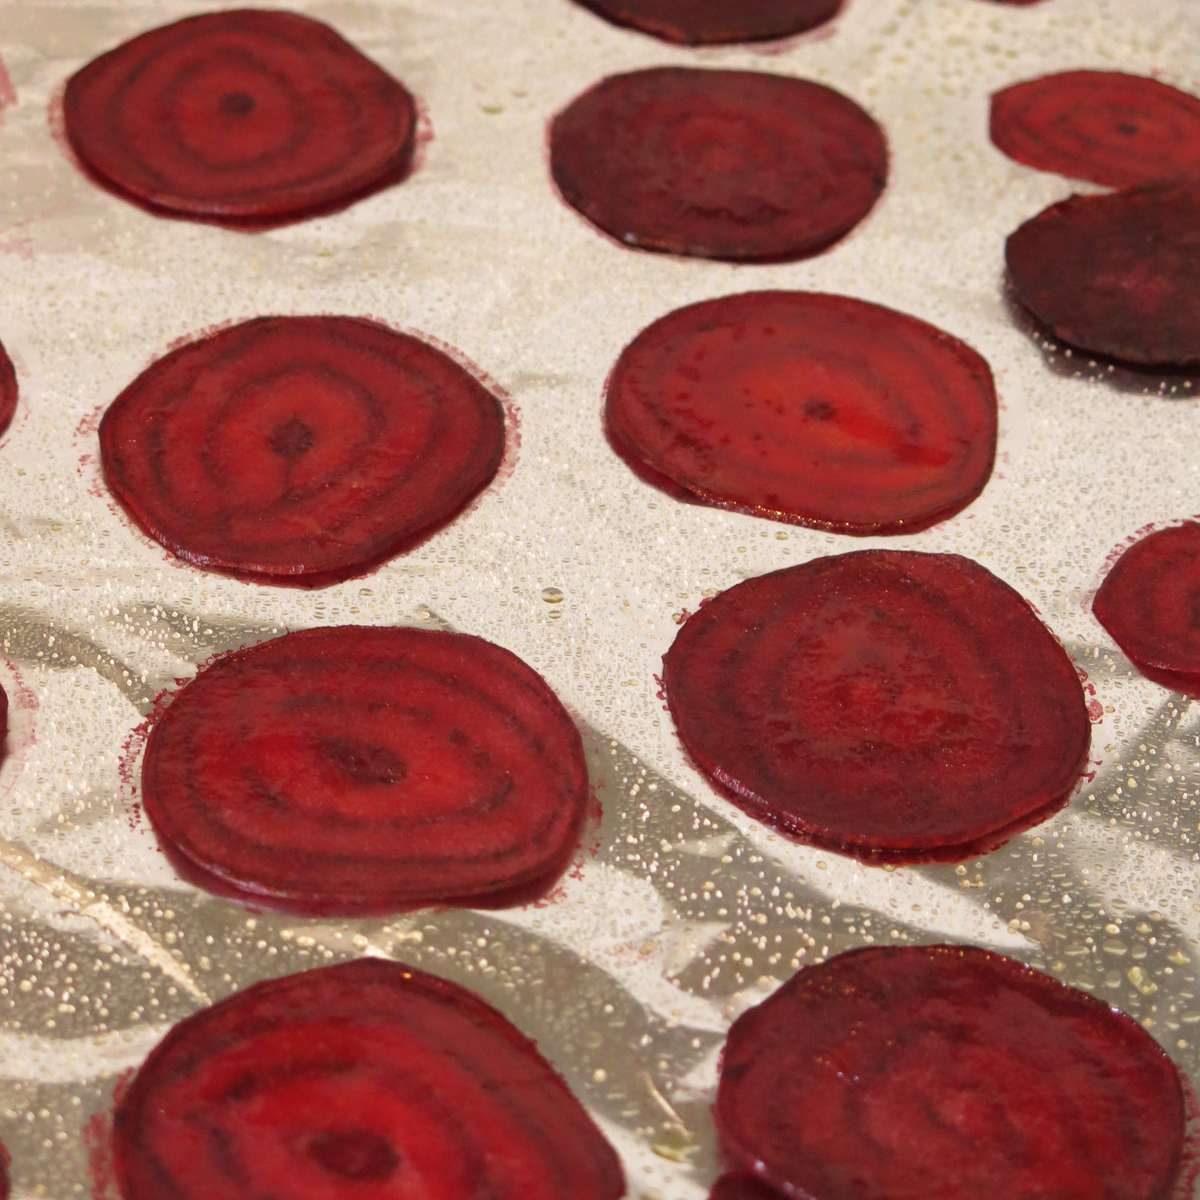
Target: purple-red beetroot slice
(741,1187)
(367,769)
(299,449)
(720,164)
(887,704)
(814,409)
(370,1080)
(1106,126)
(1116,275)
(8,390)
(713,22)
(1150,604)
(246,114)
(947,1071)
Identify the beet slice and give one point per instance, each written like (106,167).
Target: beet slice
(8,390)
(716,22)
(299,449)
(887,704)
(814,409)
(1106,126)
(364,769)
(367,1079)
(741,1187)
(719,164)
(944,1071)
(1116,275)
(3,727)
(246,114)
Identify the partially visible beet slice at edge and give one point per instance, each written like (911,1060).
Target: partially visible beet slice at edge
(716,22)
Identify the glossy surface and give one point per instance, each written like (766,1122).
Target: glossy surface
(814,409)
(8,390)
(363,1081)
(367,769)
(713,22)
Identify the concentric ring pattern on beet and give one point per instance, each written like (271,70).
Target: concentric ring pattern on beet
(300,449)
(360,769)
(716,22)
(809,408)
(368,1079)
(947,1071)
(890,705)
(721,164)
(8,390)
(247,114)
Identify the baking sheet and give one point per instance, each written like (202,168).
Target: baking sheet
(687,911)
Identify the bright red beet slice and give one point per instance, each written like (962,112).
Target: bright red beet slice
(1116,275)
(947,1071)
(369,1080)
(8,390)
(887,704)
(714,22)
(720,164)
(246,114)
(814,409)
(1150,604)
(299,449)
(366,769)
(1106,126)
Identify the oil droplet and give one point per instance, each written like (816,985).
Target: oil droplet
(552,595)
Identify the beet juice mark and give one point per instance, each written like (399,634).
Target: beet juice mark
(8,93)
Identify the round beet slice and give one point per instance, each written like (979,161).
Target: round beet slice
(8,390)
(719,164)
(1116,275)
(299,449)
(716,22)
(365,769)
(814,409)
(246,114)
(1106,126)
(939,1071)
(887,704)
(368,1079)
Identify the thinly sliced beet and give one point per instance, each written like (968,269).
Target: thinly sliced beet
(365,769)
(369,1079)
(720,164)
(1116,274)
(8,390)
(1150,604)
(299,449)
(890,705)
(939,1071)
(742,1187)
(246,114)
(3,723)
(716,22)
(1106,126)
(814,409)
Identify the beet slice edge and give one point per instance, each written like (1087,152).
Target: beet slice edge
(713,22)
(9,391)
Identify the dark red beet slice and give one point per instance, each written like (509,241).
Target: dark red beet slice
(946,1071)
(8,390)
(887,704)
(1150,604)
(3,723)
(1106,126)
(1116,274)
(814,409)
(715,22)
(246,114)
(367,1079)
(742,1187)
(299,449)
(366,769)
(720,164)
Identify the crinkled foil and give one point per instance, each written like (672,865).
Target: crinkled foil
(687,911)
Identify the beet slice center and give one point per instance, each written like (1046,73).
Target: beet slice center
(809,408)
(368,1078)
(719,164)
(8,390)
(300,449)
(716,22)
(365,769)
(887,704)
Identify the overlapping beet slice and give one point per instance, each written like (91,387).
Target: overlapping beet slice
(367,1079)
(716,22)
(247,114)
(365,769)
(947,1071)
(8,390)
(809,408)
(1116,274)
(1106,126)
(300,449)
(720,164)
(890,705)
